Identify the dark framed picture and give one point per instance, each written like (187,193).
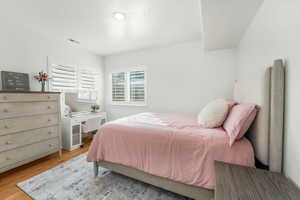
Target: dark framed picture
(14,81)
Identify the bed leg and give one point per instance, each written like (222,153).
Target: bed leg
(96,169)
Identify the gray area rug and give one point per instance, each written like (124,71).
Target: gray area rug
(74,180)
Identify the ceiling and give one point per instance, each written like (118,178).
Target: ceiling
(225,21)
(148,23)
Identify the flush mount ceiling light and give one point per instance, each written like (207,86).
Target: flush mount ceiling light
(119,16)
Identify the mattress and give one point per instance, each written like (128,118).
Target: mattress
(172,146)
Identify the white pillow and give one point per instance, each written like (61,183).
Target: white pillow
(214,114)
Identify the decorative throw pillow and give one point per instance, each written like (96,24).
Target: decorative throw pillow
(214,114)
(239,120)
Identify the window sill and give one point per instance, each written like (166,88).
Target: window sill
(129,104)
(86,101)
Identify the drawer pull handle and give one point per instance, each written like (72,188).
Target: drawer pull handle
(8,158)
(49,132)
(49,120)
(6,126)
(5,110)
(51,145)
(5,97)
(49,107)
(48,97)
(9,142)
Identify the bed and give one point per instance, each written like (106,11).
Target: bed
(160,149)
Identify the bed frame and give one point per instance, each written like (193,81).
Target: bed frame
(266,136)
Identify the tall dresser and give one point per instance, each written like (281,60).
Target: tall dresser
(29,127)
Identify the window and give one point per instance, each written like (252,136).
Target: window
(137,86)
(119,87)
(129,88)
(87,86)
(87,96)
(70,79)
(87,80)
(63,78)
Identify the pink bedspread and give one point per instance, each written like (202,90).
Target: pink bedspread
(169,145)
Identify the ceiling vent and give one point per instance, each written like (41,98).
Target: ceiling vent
(73,41)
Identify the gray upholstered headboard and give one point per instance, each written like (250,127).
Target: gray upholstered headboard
(266,133)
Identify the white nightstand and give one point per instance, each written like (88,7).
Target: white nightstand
(72,128)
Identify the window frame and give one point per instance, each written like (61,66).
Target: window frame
(80,89)
(77,88)
(127,102)
(90,100)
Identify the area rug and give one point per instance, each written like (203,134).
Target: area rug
(74,180)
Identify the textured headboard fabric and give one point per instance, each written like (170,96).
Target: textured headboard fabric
(259,131)
(266,133)
(277,116)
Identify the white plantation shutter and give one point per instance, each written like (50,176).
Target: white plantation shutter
(129,87)
(87,80)
(119,87)
(87,86)
(63,78)
(137,86)
(74,80)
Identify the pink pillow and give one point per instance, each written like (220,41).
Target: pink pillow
(239,120)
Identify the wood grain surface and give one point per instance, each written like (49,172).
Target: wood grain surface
(235,182)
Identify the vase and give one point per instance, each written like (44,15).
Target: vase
(43,86)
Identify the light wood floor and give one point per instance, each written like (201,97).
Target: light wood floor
(8,180)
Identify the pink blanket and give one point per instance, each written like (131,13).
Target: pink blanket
(169,145)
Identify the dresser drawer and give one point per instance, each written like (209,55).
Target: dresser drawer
(19,124)
(8,142)
(8,110)
(27,97)
(17,155)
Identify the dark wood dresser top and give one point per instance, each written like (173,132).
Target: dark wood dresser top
(29,92)
(235,182)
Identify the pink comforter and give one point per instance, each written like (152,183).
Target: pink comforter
(168,145)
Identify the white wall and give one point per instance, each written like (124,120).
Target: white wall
(274,33)
(181,78)
(24,50)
